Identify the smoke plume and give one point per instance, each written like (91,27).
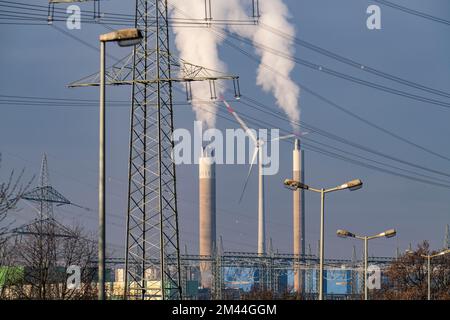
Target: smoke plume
(201,46)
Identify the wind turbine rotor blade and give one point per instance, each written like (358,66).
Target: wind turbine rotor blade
(240,121)
(284,137)
(255,154)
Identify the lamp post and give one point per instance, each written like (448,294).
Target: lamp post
(125,38)
(346,234)
(294,185)
(429,257)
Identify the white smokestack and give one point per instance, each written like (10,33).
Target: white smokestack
(201,46)
(207,214)
(298,214)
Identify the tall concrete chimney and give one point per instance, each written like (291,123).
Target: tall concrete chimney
(298,215)
(207,214)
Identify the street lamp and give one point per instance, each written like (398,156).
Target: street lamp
(346,234)
(294,185)
(124,37)
(429,257)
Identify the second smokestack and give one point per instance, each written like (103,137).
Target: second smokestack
(298,214)
(207,214)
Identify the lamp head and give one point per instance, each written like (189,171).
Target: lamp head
(129,42)
(389,233)
(352,185)
(123,37)
(294,185)
(344,234)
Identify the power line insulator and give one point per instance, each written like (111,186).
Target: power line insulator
(212,89)
(208,10)
(188,91)
(237,88)
(255,10)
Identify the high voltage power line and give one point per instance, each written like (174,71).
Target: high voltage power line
(368,122)
(223,34)
(335,105)
(24,11)
(414,12)
(314,66)
(8,100)
(335,73)
(334,155)
(260,107)
(353,63)
(327,70)
(432,180)
(302,124)
(130,18)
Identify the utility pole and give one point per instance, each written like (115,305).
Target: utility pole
(346,234)
(101,180)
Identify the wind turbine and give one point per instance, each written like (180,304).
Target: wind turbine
(259,145)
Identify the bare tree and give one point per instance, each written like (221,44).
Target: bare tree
(34,258)
(44,252)
(10,193)
(407,277)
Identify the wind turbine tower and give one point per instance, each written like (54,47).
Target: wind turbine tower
(259,152)
(261,208)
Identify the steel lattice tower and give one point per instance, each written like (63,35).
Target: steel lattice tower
(152,244)
(152,220)
(44,197)
(46,207)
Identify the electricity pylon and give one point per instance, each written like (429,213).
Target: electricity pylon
(43,197)
(152,219)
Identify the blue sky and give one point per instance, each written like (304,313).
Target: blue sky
(40,61)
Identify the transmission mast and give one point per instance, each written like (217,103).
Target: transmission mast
(152,241)
(43,197)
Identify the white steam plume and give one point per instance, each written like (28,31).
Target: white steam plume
(200,46)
